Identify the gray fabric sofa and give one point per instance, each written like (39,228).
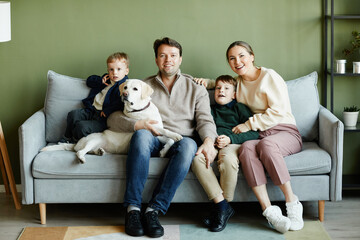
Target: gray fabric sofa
(57,177)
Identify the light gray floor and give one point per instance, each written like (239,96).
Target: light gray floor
(342,219)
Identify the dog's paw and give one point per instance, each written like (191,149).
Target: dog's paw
(81,158)
(101,152)
(177,137)
(163,153)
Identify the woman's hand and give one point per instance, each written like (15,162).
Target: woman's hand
(148,125)
(222,141)
(240,129)
(201,81)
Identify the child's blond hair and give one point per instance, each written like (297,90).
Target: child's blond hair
(119,56)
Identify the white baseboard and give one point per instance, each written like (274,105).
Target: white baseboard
(2,188)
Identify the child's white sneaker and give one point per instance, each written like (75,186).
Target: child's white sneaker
(294,212)
(276,220)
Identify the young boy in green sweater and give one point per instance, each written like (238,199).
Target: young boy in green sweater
(227,114)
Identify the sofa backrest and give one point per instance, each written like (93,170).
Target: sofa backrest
(65,93)
(305,105)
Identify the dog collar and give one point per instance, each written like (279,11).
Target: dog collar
(138,110)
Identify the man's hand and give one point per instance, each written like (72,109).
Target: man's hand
(222,141)
(148,125)
(240,128)
(102,114)
(209,151)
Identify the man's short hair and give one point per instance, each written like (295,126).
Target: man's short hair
(227,79)
(166,41)
(119,56)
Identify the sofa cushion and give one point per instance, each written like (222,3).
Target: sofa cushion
(64,164)
(305,105)
(311,160)
(63,95)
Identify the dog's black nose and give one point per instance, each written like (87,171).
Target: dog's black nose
(131,103)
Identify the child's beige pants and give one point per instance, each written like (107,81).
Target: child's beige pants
(228,165)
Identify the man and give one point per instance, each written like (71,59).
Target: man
(191,118)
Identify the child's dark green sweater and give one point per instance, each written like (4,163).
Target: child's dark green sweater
(228,116)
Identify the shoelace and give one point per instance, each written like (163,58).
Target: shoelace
(154,217)
(276,218)
(134,219)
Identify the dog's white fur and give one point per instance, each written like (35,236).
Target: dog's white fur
(137,101)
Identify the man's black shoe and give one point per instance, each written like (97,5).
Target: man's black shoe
(152,225)
(133,226)
(219,221)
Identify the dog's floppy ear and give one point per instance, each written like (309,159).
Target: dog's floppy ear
(121,88)
(146,90)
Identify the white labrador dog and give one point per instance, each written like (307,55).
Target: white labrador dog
(137,105)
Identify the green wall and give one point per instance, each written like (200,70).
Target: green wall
(75,37)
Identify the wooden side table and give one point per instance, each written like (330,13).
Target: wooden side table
(6,170)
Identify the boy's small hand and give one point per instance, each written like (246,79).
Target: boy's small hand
(102,114)
(222,141)
(105,79)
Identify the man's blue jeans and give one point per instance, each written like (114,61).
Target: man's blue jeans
(144,145)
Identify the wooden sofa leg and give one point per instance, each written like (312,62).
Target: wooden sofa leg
(42,207)
(321,210)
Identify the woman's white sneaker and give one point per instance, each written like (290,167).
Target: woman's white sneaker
(294,212)
(276,220)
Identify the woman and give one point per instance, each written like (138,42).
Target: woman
(265,93)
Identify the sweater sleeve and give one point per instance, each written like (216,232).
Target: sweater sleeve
(278,111)
(113,101)
(118,122)
(243,137)
(116,105)
(95,81)
(205,124)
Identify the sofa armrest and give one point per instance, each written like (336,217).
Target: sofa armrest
(31,140)
(331,139)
